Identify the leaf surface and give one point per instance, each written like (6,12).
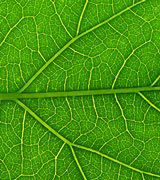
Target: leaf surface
(80,89)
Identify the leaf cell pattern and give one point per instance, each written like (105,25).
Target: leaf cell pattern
(80,89)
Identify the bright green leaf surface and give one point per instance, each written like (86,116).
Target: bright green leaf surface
(80,89)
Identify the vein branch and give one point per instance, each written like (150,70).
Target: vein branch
(78,164)
(56,157)
(149,102)
(10,30)
(22,141)
(81,16)
(111,18)
(155,81)
(125,61)
(61,19)
(122,112)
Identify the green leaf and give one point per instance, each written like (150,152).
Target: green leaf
(80,89)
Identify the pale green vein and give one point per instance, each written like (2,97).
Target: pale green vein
(121,34)
(78,164)
(113,7)
(115,160)
(143,176)
(22,141)
(71,42)
(42,122)
(155,81)
(119,172)
(9,175)
(46,65)
(111,18)
(79,146)
(125,61)
(81,16)
(13,96)
(10,30)
(56,157)
(125,120)
(149,102)
(61,19)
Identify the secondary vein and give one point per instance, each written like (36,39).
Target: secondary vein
(72,41)
(149,102)
(115,160)
(79,146)
(42,122)
(77,162)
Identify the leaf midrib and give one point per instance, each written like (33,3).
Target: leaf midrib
(13,96)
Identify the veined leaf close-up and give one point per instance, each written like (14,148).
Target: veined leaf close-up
(80,89)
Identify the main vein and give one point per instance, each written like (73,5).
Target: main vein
(72,41)
(13,96)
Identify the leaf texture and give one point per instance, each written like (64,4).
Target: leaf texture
(80,89)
